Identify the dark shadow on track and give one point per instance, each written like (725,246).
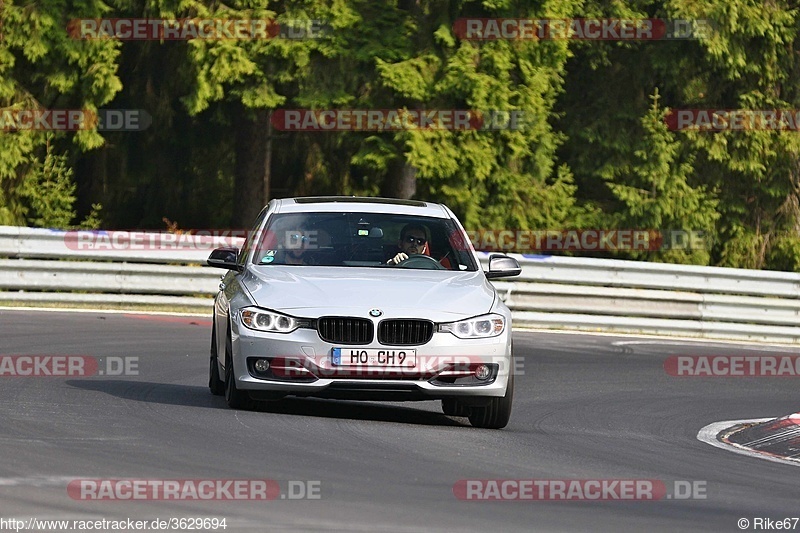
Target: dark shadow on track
(357,410)
(149,392)
(198,396)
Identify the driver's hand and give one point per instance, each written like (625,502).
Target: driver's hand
(397,259)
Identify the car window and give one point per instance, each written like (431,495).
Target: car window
(359,240)
(252,237)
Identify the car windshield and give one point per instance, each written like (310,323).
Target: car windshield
(364,240)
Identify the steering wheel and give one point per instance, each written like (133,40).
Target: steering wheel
(421,261)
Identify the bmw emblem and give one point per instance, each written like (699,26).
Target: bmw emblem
(375,312)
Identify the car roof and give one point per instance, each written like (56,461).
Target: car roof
(360,204)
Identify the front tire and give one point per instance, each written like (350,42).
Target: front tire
(215,383)
(452,407)
(497,413)
(235,398)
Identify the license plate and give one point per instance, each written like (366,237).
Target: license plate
(374,357)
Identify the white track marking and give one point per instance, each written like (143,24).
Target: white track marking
(740,346)
(106,311)
(37,481)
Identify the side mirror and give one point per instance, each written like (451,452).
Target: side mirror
(501,266)
(224,258)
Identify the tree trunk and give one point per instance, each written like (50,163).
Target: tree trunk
(251,171)
(401,181)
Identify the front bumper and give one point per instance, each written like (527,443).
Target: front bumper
(300,365)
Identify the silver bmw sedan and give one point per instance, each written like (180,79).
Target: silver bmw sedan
(362,298)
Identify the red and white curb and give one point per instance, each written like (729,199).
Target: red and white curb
(772,431)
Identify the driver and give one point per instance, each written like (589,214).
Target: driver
(413,240)
(297,243)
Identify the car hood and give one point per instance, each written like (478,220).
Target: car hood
(353,291)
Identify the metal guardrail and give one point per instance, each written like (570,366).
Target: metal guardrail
(108,268)
(656,298)
(552,292)
(100,245)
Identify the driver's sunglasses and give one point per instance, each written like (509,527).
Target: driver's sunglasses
(297,237)
(410,239)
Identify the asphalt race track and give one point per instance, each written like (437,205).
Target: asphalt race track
(587,407)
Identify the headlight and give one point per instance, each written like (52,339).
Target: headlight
(263,320)
(476,328)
